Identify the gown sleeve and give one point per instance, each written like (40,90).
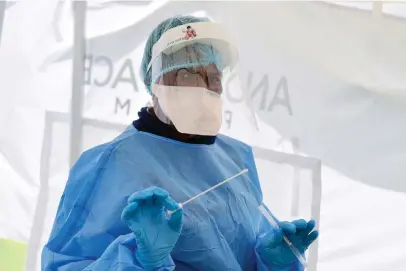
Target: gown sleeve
(88,233)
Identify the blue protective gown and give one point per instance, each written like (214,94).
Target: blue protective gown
(220,228)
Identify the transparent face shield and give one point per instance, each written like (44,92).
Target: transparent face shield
(191,68)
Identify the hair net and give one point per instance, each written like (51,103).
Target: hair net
(156,35)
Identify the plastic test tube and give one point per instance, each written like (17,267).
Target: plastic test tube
(294,250)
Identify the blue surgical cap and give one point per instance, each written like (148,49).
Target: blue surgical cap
(156,35)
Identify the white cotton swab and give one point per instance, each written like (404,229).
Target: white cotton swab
(206,191)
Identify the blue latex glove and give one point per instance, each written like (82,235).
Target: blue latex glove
(156,234)
(274,251)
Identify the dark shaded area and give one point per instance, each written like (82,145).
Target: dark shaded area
(150,123)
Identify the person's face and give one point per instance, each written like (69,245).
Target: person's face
(208,77)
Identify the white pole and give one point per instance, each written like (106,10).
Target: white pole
(296,181)
(79,49)
(2,12)
(37,228)
(377,8)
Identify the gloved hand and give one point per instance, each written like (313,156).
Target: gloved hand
(155,233)
(274,252)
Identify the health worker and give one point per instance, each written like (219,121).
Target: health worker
(113,214)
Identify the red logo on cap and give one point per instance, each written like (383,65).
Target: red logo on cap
(190,32)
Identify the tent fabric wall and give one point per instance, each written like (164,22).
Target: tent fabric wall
(326,82)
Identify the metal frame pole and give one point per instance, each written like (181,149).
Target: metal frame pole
(2,14)
(377,8)
(76,109)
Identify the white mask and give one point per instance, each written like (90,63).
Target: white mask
(192,110)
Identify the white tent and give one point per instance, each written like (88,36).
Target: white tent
(329,91)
